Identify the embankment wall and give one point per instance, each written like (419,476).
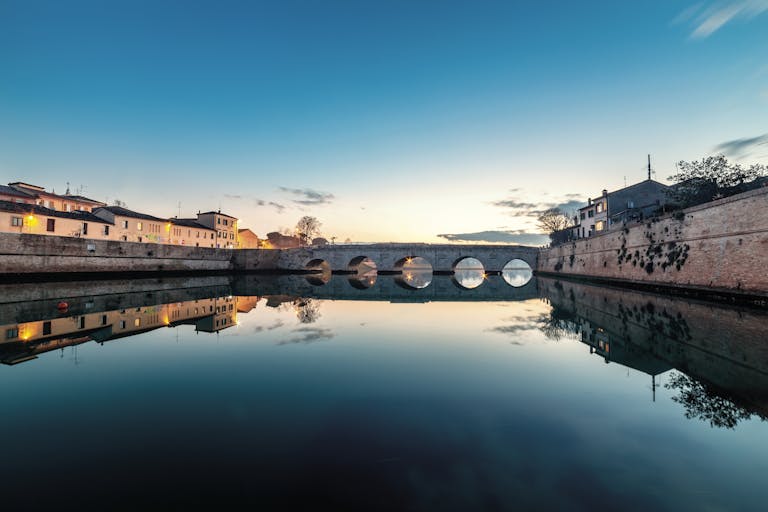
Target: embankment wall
(35,254)
(719,246)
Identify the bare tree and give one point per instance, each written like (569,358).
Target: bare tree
(554,220)
(307,228)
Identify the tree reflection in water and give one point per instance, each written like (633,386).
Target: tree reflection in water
(559,324)
(307,310)
(704,402)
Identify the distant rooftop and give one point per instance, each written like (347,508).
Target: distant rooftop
(189,223)
(83,198)
(27,209)
(14,192)
(125,212)
(27,185)
(218,213)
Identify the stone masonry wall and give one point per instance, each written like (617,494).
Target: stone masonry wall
(722,245)
(27,254)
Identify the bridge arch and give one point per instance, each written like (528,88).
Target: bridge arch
(517,272)
(355,263)
(468,272)
(413,261)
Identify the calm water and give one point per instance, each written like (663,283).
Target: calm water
(371,393)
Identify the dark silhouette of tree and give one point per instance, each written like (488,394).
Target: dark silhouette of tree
(553,221)
(307,228)
(703,402)
(711,178)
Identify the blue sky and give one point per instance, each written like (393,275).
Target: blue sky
(386,120)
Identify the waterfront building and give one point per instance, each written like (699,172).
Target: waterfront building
(130,226)
(247,239)
(224,225)
(190,232)
(38,220)
(634,202)
(67,202)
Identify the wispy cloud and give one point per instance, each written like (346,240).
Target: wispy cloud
(740,148)
(497,236)
(708,19)
(517,206)
(255,201)
(309,197)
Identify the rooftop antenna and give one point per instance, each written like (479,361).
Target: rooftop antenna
(649,166)
(67,192)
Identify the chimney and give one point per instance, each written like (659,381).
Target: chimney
(605,193)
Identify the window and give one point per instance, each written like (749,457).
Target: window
(218,220)
(106,230)
(46,328)
(225,222)
(17,221)
(591,213)
(582,215)
(85,228)
(12,333)
(219,234)
(125,224)
(600,225)
(232,236)
(211,237)
(122,324)
(82,322)
(103,319)
(198,235)
(139,225)
(68,207)
(600,207)
(124,238)
(630,204)
(50,225)
(137,322)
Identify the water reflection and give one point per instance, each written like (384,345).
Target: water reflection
(336,387)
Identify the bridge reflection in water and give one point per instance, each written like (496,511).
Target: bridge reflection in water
(720,368)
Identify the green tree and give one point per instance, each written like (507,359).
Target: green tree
(711,178)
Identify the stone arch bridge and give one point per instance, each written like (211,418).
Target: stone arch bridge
(390,257)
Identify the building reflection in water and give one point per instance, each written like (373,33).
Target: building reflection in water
(26,340)
(718,354)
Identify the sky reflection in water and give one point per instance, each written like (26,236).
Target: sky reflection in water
(427,402)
